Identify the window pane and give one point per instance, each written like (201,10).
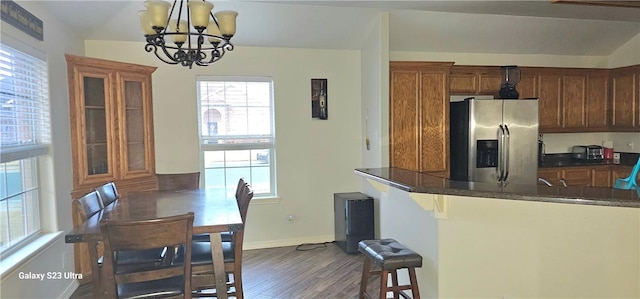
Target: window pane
(32,211)
(261,179)
(3,180)
(236,125)
(13,173)
(4,223)
(25,134)
(16,217)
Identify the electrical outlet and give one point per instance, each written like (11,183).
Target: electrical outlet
(291,217)
(630,145)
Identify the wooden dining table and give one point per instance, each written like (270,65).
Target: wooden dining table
(212,215)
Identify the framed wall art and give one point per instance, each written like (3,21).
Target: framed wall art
(319,103)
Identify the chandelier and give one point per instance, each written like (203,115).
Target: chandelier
(180,41)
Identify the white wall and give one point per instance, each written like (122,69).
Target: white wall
(315,158)
(375,103)
(627,54)
(521,249)
(375,69)
(562,142)
(56,186)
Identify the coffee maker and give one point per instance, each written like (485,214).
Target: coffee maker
(510,77)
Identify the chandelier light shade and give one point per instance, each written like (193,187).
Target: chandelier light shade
(200,38)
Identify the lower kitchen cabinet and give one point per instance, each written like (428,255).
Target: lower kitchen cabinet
(577,176)
(620,172)
(591,176)
(552,175)
(601,176)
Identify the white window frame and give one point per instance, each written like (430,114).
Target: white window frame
(33,149)
(269,145)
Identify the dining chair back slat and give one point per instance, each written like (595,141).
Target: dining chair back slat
(88,205)
(108,193)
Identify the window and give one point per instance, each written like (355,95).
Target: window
(24,135)
(236,134)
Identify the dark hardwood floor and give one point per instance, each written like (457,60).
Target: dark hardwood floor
(286,273)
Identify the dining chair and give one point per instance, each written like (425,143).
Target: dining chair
(108,193)
(85,207)
(91,204)
(226,236)
(161,281)
(202,264)
(178,181)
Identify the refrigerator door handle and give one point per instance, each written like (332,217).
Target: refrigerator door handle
(506,153)
(500,168)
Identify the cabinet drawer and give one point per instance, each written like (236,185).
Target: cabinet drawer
(577,177)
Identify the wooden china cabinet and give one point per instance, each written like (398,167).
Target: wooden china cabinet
(111,130)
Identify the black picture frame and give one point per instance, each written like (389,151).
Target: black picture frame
(319,99)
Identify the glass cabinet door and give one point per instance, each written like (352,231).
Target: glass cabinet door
(136,134)
(95,115)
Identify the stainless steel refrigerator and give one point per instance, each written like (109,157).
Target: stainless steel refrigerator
(494,140)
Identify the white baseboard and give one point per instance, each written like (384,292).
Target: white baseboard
(68,291)
(287,242)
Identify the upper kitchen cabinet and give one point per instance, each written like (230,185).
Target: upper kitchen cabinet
(625,101)
(571,100)
(528,86)
(549,104)
(475,80)
(111,124)
(419,116)
(597,110)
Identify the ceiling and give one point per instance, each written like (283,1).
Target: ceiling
(505,27)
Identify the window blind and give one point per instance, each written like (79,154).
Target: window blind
(25,129)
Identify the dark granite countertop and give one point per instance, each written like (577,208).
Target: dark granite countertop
(417,182)
(565,160)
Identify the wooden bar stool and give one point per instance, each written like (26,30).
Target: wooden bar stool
(390,256)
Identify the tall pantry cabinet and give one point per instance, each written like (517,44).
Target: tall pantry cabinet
(419,116)
(111,130)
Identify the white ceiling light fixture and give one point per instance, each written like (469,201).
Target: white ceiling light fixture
(202,38)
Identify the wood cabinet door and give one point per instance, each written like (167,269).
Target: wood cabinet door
(552,175)
(601,177)
(465,83)
(549,105)
(135,121)
(527,87)
(92,114)
(434,118)
(404,137)
(623,100)
(489,84)
(577,176)
(574,101)
(597,101)
(621,172)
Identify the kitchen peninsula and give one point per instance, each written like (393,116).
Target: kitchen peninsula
(479,240)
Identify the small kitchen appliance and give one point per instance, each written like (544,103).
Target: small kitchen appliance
(510,77)
(587,152)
